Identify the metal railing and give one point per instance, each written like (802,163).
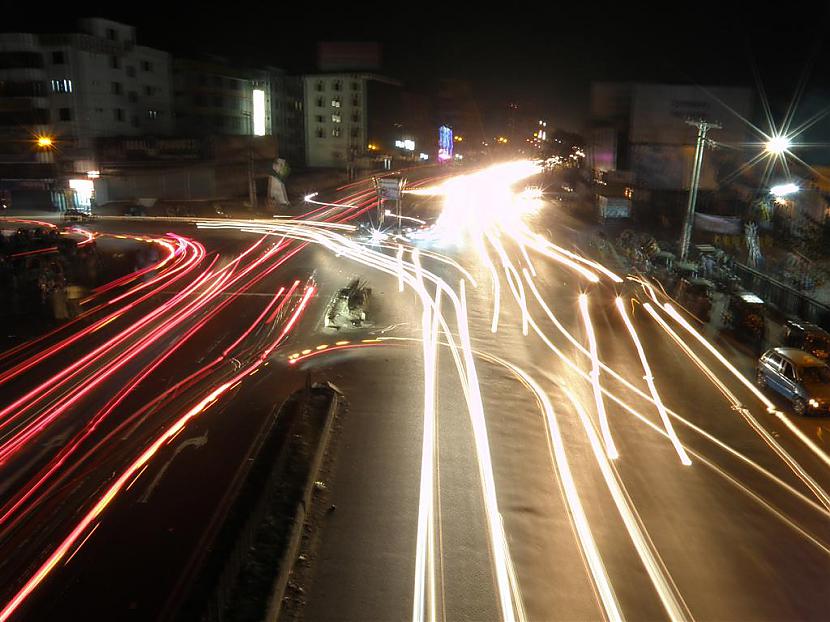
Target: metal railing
(784,298)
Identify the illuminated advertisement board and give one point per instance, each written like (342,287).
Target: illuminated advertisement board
(444,143)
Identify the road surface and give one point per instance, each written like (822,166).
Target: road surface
(543,453)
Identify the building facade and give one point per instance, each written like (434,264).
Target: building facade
(335,118)
(214,97)
(60,92)
(641,133)
(287,116)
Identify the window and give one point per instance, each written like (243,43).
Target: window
(132,96)
(111,34)
(118,113)
(787,370)
(335,103)
(199,99)
(219,121)
(115,62)
(116,88)
(150,90)
(335,118)
(152,114)
(319,102)
(99,110)
(337,85)
(146,65)
(355,117)
(61,86)
(335,132)
(319,86)
(320,118)
(355,86)
(355,100)
(355,132)
(58,58)
(130,71)
(65,114)
(321,133)
(134,120)
(217,101)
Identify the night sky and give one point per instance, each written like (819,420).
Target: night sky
(541,57)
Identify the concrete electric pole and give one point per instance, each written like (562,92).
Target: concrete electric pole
(702,128)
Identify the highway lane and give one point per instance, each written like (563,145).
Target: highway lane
(718,537)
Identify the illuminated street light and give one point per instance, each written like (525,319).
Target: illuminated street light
(778,144)
(45,142)
(783,190)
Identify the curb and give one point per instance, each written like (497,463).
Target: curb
(289,557)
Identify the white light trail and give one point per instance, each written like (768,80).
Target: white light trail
(610,447)
(649,378)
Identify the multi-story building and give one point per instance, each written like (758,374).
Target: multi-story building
(214,97)
(60,92)
(349,116)
(335,118)
(640,133)
(287,116)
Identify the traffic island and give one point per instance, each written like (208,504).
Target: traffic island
(245,571)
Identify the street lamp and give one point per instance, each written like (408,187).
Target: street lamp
(777,144)
(44,142)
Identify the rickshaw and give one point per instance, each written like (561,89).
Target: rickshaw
(744,316)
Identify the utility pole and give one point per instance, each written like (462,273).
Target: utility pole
(686,237)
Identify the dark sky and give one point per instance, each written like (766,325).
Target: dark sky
(543,53)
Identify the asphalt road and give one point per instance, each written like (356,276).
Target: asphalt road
(740,534)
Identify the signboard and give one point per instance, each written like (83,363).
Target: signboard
(445,140)
(389,188)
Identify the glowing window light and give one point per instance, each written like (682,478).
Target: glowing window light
(83,190)
(259,112)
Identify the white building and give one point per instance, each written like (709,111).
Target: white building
(335,118)
(72,89)
(102,84)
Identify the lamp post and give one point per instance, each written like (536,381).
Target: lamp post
(702,128)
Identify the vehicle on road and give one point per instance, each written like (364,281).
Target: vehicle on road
(798,376)
(808,337)
(744,316)
(75,215)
